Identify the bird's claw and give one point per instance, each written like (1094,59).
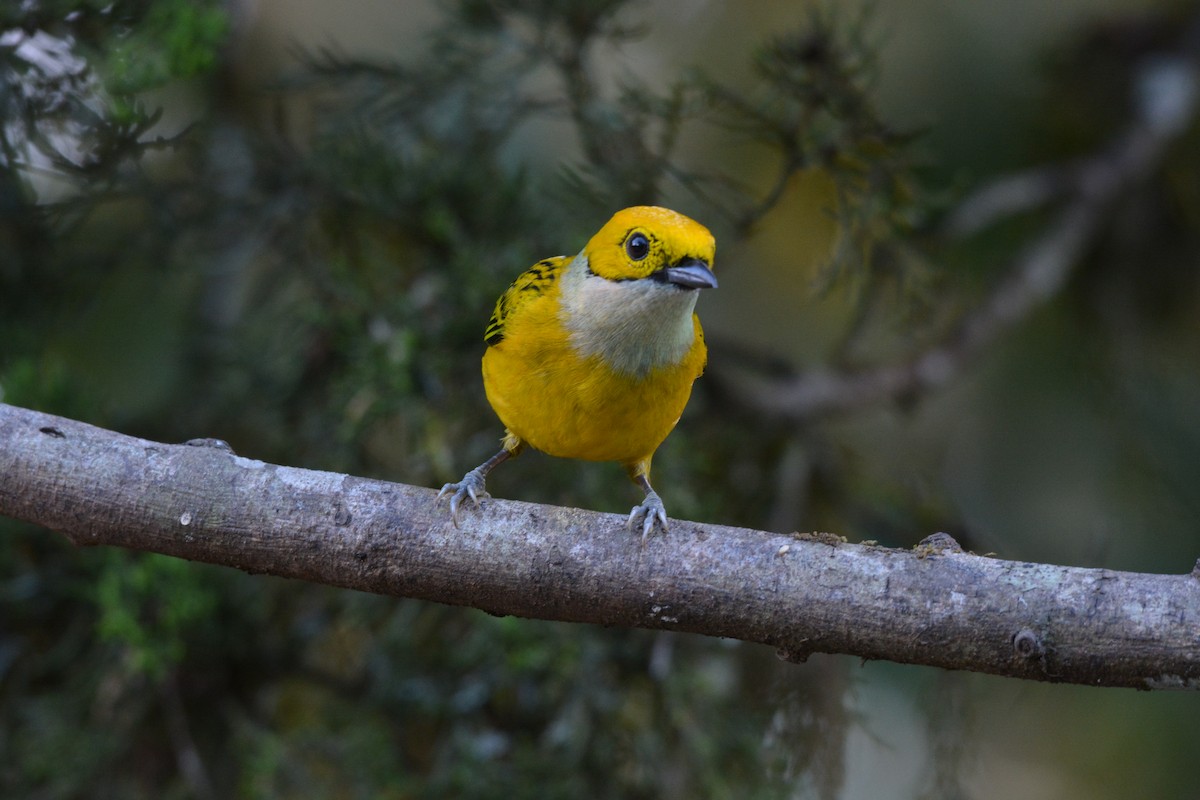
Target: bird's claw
(651,512)
(471,487)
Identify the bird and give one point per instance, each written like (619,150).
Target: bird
(593,357)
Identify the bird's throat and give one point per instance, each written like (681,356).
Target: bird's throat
(635,326)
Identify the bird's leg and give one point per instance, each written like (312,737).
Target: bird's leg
(472,486)
(651,511)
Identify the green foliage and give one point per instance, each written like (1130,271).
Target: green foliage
(38,383)
(175,39)
(148,604)
(813,108)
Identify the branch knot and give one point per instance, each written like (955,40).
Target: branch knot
(1028,645)
(937,544)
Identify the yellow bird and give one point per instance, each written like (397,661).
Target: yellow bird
(593,357)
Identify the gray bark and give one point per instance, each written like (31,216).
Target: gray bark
(933,605)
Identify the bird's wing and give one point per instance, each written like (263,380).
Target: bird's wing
(530,284)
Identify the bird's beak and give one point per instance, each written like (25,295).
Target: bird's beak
(690,273)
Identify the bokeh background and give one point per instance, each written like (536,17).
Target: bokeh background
(283,223)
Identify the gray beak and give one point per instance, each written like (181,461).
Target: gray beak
(690,273)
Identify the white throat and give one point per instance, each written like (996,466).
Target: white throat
(636,326)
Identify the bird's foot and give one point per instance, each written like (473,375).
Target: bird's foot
(651,512)
(471,487)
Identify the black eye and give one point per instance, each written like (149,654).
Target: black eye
(637,246)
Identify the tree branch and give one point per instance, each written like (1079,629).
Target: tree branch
(1167,100)
(802,593)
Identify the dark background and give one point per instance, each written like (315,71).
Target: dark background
(300,254)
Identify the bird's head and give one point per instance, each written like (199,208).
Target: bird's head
(648,242)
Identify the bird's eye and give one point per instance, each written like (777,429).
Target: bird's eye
(637,246)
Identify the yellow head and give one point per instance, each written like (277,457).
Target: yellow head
(652,242)
(629,296)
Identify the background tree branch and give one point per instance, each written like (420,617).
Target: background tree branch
(801,593)
(1165,104)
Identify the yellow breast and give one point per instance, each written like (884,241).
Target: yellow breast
(572,405)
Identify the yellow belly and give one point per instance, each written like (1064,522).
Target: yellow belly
(570,407)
